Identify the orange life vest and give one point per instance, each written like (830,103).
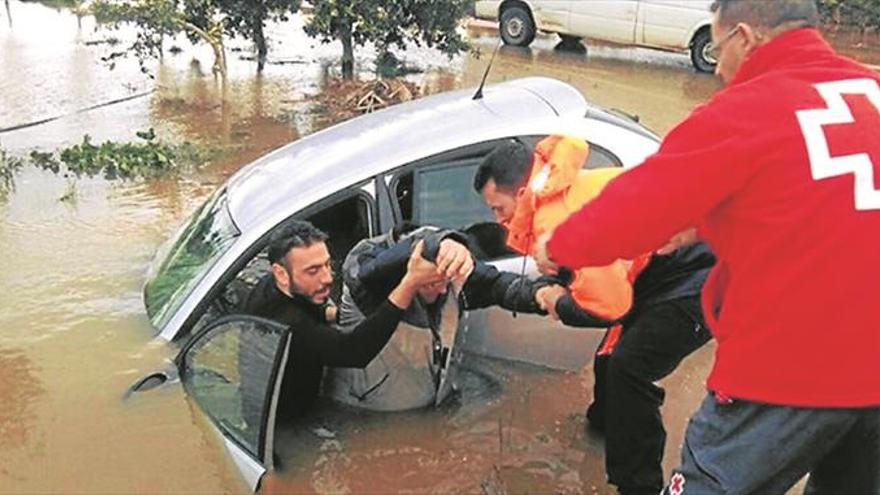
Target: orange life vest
(557,187)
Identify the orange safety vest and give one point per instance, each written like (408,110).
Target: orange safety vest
(557,187)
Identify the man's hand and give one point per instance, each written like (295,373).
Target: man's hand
(330,313)
(548,296)
(454,260)
(419,272)
(542,258)
(683,238)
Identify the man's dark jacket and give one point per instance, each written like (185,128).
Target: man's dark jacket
(315,343)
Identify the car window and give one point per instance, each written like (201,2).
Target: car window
(441,193)
(346,217)
(600,157)
(346,222)
(185,259)
(230,370)
(445,196)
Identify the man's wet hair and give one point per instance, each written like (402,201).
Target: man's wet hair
(507,165)
(294,233)
(767,13)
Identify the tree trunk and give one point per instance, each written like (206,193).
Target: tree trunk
(347,50)
(8,13)
(260,41)
(216,44)
(78,11)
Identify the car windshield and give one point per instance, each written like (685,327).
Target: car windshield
(183,260)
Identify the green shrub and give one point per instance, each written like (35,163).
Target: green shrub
(9,165)
(112,160)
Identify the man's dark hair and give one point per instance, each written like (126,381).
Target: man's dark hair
(294,233)
(766,13)
(507,165)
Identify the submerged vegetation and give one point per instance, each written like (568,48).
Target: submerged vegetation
(9,165)
(112,160)
(148,158)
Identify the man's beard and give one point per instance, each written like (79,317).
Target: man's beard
(312,296)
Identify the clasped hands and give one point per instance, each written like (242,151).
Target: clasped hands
(454,264)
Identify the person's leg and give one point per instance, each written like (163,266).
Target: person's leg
(747,448)
(596,410)
(853,465)
(653,343)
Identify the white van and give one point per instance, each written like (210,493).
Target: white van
(675,25)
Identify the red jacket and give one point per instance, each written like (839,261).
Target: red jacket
(760,170)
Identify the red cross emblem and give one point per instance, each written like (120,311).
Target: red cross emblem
(849,123)
(676,484)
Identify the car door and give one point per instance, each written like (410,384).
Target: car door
(233,368)
(608,20)
(439,191)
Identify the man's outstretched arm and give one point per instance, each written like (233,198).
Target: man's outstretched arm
(357,348)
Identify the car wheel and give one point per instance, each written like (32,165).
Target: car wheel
(700,57)
(516,26)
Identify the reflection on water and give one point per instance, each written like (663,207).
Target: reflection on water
(658,87)
(73,333)
(19,389)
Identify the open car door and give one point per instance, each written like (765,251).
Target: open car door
(233,369)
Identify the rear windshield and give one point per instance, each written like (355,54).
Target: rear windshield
(182,262)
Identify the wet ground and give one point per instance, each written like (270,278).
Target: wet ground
(74,335)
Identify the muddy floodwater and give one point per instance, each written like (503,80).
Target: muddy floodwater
(73,330)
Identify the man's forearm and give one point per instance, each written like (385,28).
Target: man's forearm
(488,286)
(573,315)
(403,294)
(357,348)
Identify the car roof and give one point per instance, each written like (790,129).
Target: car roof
(371,144)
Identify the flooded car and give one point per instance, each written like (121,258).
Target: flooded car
(411,162)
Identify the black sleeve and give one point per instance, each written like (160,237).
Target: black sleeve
(355,349)
(574,316)
(382,268)
(487,286)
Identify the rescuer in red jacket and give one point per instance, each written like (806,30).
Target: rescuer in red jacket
(780,173)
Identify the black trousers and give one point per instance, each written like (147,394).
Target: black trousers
(627,403)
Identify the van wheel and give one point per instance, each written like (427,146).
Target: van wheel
(516,26)
(570,41)
(571,44)
(700,57)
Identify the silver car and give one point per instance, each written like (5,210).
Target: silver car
(415,161)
